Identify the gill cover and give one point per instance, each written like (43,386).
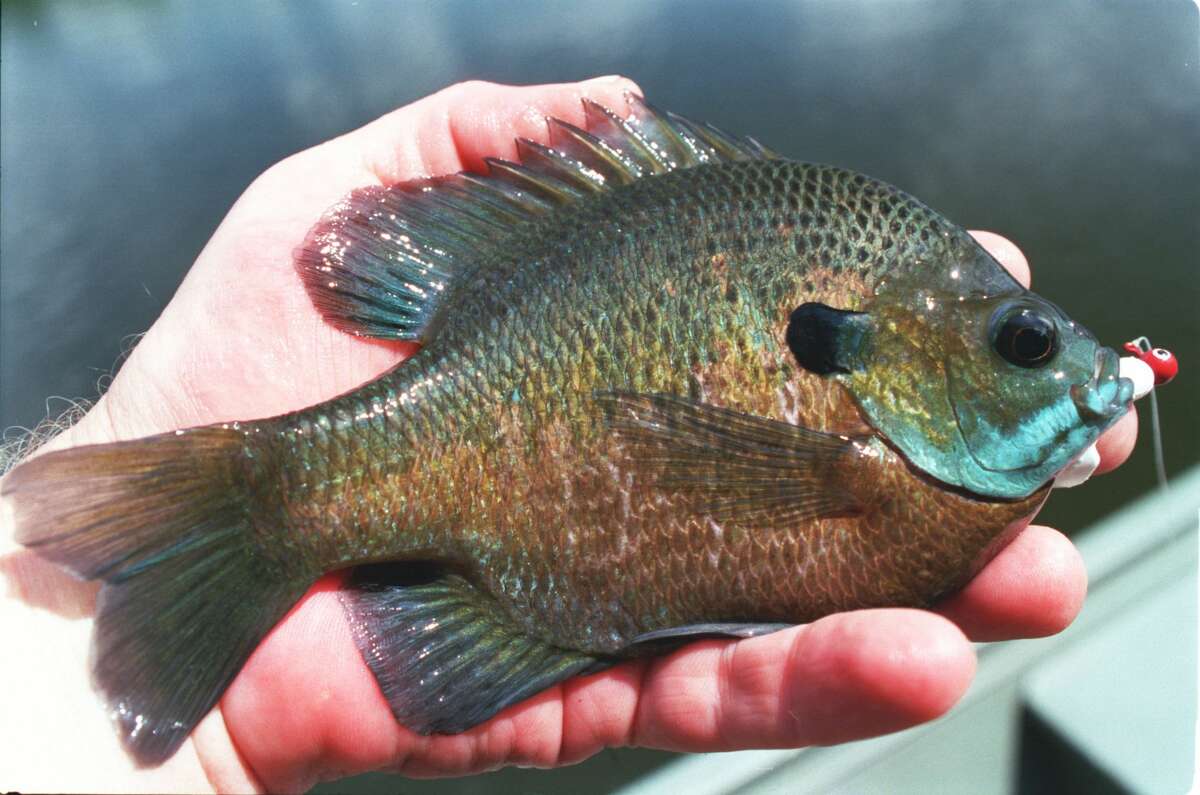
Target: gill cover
(977,381)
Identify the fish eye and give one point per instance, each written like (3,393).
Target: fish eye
(1025,338)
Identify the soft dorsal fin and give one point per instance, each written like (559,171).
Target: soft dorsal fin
(381,262)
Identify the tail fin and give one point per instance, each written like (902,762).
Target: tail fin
(165,523)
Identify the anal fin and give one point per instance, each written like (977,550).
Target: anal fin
(443,652)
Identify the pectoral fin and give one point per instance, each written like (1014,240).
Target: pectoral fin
(733,465)
(445,655)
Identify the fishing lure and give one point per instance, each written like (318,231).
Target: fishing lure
(1164,367)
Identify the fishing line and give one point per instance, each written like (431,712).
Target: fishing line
(1160,466)
(1164,366)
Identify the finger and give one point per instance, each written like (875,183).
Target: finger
(305,701)
(844,677)
(1034,587)
(458,127)
(1117,443)
(1006,253)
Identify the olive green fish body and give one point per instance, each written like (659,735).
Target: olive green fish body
(669,386)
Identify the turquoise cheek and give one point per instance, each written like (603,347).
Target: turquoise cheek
(1031,442)
(1021,459)
(984,459)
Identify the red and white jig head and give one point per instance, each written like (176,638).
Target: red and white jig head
(1161,361)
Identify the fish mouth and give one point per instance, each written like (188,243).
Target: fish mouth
(1107,395)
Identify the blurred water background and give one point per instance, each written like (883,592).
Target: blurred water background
(129,128)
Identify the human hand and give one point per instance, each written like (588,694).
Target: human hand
(241,339)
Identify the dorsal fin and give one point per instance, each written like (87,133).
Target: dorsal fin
(381,262)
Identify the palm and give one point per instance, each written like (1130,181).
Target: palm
(241,340)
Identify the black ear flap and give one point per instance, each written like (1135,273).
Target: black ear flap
(825,340)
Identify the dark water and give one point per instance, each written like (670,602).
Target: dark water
(129,129)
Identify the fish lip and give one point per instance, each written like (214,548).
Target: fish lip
(1089,397)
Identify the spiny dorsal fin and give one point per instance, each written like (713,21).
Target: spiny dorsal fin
(381,262)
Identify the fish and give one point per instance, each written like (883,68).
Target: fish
(670,385)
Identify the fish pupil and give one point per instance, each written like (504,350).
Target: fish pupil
(1026,339)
